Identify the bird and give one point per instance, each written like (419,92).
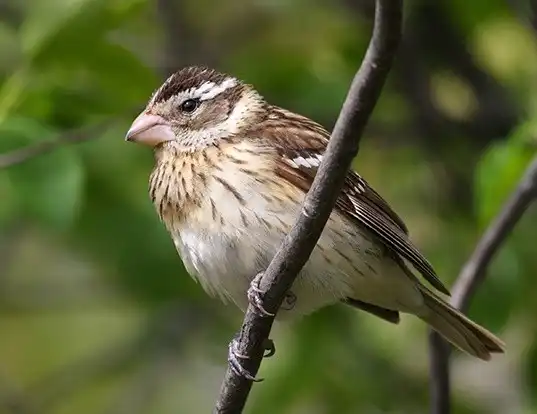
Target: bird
(231,171)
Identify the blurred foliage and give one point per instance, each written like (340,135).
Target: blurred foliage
(96,311)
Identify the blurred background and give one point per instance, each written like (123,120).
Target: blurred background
(97,314)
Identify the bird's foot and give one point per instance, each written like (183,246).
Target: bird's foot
(289,301)
(255,298)
(235,358)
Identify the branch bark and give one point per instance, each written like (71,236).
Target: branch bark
(472,275)
(299,243)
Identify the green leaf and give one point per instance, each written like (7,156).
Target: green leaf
(67,46)
(71,25)
(47,188)
(44,21)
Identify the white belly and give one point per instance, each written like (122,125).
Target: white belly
(225,262)
(228,240)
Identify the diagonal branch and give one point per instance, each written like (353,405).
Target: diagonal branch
(299,243)
(473,272)
(472,275)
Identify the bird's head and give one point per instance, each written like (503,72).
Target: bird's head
(194,108)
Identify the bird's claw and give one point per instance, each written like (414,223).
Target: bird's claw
(254,296)
(235,363)
(269,348)
(234,358)
(289,301)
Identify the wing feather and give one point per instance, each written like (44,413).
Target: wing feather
(301,143)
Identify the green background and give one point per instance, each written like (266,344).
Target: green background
(97,314)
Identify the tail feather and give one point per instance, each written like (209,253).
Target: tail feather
(457,328)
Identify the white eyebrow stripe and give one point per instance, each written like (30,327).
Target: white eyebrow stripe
(209,89)
(204,88)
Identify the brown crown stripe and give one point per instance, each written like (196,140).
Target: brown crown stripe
(187,78)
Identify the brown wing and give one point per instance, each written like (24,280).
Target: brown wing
(301,144)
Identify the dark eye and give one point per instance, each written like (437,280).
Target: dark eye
(189,105)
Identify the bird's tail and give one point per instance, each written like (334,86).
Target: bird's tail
(457,328)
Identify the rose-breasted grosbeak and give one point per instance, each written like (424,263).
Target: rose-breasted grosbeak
(230,176)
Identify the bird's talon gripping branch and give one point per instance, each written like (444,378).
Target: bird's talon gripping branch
(254,296)
(289,301)
(269,347)
(234,358)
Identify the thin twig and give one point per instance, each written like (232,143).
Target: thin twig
(20,155)
(298,245)
(472,275)
(440,386)
(473,272)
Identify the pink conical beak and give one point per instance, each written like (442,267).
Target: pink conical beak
(150,130)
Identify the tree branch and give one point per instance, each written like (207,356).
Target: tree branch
(473,272)
(299,243)
(20,155)
(472,275)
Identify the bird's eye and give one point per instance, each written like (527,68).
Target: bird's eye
(189,105)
